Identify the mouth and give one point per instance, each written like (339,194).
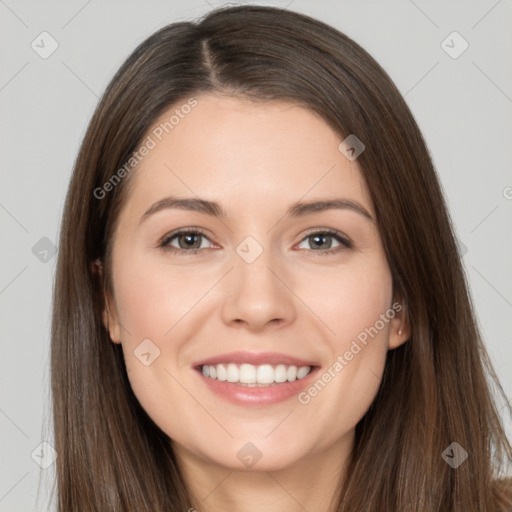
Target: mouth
(248,379)
(255,376)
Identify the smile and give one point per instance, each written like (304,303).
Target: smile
(255,375)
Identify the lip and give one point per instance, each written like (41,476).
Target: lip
(256,396)
(253,358)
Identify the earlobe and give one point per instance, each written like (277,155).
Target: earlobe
(399,329)
(109,321)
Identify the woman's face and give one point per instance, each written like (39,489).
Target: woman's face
(270,290)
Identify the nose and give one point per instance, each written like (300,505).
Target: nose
(257,294)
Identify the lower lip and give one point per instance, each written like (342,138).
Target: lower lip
(257,396)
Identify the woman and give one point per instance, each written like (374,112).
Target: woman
(259,302)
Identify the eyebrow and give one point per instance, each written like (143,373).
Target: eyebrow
(214,209)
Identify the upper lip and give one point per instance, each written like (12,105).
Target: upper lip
(253,358)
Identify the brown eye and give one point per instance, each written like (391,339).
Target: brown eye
(184,241)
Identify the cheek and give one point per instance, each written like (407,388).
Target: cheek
(349,299)
(156,304)
(153,307)
(152,300)
(355,305)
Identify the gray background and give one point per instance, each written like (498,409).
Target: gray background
(463,106)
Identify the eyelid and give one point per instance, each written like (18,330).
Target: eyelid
(162,243)
(345,242)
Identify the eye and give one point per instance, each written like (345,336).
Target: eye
(321,242)
(186,241)
(190,241)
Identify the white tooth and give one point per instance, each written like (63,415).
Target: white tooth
(302,372)
(250,375)
(222,374)
(247,374)
(232,373)
(265,374)
(280,373)
(291,373)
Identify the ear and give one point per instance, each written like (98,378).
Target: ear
(109,313)
(400,329)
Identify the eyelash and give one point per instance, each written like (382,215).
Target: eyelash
(164,243)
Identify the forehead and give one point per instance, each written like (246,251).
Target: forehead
(226,148)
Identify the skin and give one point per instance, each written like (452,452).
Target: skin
(255,159)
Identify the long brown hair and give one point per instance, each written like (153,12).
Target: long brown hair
(436,388)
